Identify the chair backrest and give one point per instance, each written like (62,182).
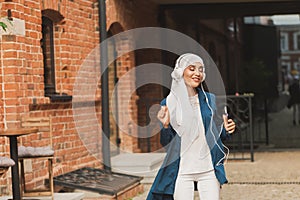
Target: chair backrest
(42,123)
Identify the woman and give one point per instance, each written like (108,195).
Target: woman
(195,152)
(294,101)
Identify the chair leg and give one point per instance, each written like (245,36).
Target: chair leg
(50,167)
(22,177)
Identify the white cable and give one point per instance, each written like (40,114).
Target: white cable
(210,126)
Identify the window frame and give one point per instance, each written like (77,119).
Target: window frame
(296,41)
(285,38)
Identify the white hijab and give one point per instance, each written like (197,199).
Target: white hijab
(182,118)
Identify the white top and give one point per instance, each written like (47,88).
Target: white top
(196,158)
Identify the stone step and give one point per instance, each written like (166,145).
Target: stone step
(145,165)
(57,196)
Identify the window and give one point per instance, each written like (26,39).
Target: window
(48,53)
(284,41)
(297,41)
(296,66)
(49,19)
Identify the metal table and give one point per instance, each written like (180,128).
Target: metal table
(13,135)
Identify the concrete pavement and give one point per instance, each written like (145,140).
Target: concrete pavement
(282,132)
(273,175)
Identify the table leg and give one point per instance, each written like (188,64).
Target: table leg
(15,168)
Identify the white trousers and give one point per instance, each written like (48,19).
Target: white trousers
(207,183)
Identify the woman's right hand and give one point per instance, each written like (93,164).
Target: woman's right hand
(163,116)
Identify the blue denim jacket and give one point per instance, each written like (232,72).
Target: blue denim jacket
(164,183)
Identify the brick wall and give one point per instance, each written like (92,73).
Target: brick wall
(22,78)
(132,14)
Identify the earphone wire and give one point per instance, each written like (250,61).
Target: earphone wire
(225,157)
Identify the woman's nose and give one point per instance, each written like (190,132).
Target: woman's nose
(197,71)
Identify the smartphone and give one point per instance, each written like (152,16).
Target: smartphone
(225,115)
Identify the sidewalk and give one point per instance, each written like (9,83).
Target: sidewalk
(282,132)
(273,175)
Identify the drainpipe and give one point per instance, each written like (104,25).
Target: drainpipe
(104,84)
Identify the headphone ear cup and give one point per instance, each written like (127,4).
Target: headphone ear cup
(203,77)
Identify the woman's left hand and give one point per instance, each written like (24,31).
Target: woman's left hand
(229,124)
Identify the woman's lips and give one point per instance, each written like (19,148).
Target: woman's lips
(196,79)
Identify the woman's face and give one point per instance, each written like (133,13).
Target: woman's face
(193,74)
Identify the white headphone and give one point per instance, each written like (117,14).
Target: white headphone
(178,71)
(203,75)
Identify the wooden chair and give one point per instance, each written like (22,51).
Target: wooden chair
(46,153)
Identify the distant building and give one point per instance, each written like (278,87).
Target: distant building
(290,51)
(289,34)
(263,20)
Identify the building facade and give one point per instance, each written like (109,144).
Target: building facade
(290,52)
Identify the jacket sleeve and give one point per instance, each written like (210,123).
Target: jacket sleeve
(166,134)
